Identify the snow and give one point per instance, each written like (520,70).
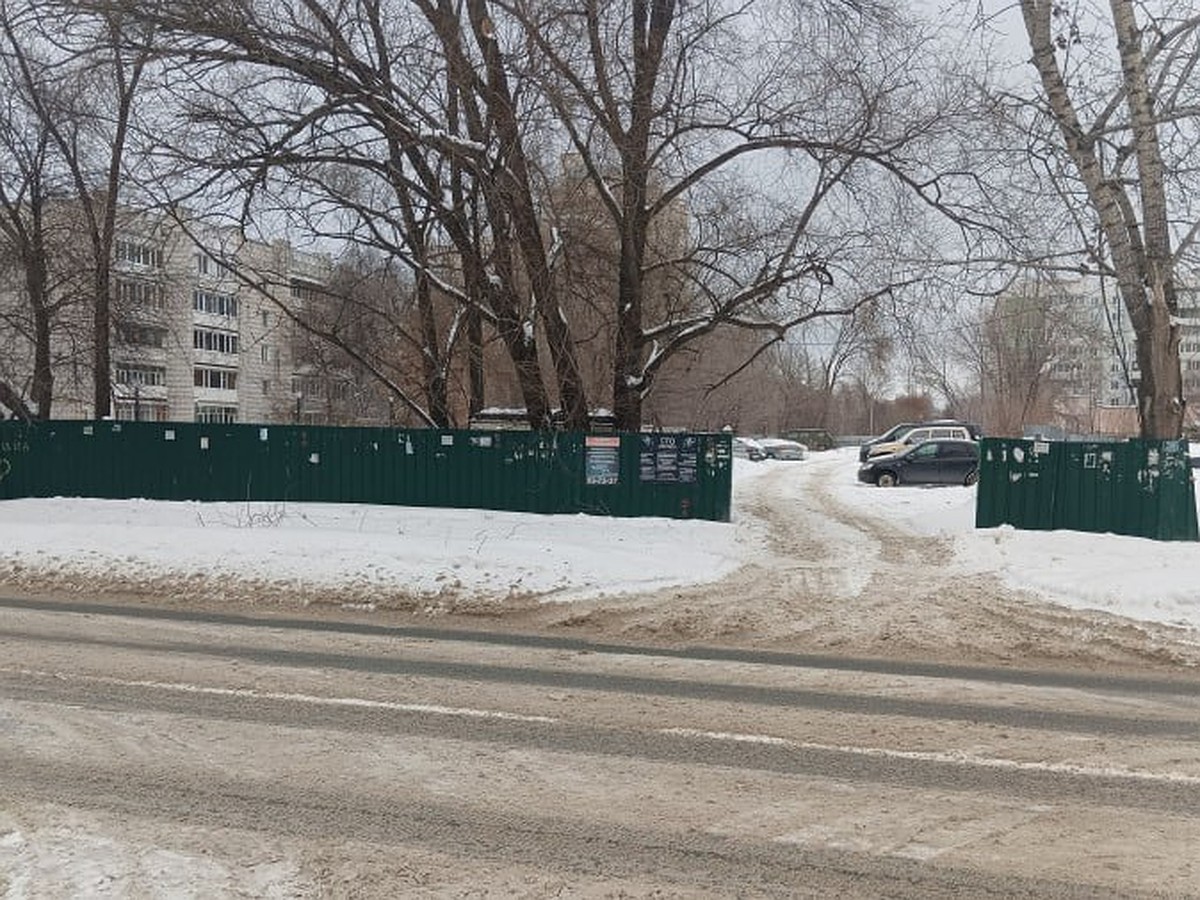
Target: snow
(563,558)
(416,550)
(1154,581)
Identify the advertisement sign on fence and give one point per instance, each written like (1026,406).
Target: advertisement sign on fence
(603,459)
(668,458)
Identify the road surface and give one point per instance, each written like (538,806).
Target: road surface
(149,753)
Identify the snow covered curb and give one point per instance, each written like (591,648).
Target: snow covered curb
(399,556)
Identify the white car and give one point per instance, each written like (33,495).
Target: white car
(781,448)
(748,448)
(919,435)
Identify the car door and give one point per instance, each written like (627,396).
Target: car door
(921,465)
(955,460)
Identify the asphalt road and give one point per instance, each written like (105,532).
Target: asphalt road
(157,752)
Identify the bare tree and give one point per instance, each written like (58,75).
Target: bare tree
(371,321)
(26,370)
(1028,355)
(82,91)
(37,223)
(368,146)
(744,186)
(1118,85)
(763,145)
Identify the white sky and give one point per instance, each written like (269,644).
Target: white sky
(380,549)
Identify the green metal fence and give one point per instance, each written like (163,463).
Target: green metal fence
(672,475)
(1139,487)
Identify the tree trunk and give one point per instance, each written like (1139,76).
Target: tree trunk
(102,337)
(1139,243)
(1160,391)
(651,22)
(475,370)
(11,399)
(41,389)
(627,364)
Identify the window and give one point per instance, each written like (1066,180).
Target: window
(215,304)
(140,411)
(141,293)
(214,341)
(210,263)
(137,335)
(139,254)
(145,376)
(221,379)
(956,451)
(308,386)
(220,415)
(305,291)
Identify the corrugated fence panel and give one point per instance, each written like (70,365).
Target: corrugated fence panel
(24,459)
(1139,488)
(1016,484)
(673,475)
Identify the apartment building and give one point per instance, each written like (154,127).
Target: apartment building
(1101,363)
(199,327)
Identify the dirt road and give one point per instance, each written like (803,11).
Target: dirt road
(829,579)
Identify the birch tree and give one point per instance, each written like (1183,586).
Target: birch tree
(1118,85)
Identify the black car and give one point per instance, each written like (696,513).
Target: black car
(931,462)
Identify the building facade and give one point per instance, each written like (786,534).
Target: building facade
(1098,375)
(200,327)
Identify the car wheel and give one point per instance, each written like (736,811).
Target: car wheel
(972,477)
(885,479)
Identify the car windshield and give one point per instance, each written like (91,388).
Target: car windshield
(895,433)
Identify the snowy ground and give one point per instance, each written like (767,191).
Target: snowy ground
(435,558)
(379,554)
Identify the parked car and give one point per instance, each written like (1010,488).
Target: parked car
(812,438)
(891,434)
(748,448)
(898,432)
(975,429)
(782,448)
(919,434)
(940,461)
